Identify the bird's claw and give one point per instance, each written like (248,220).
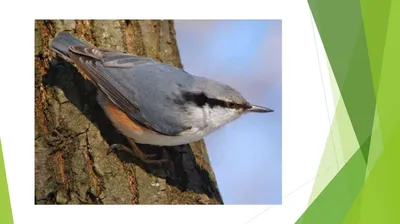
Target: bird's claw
(136,153)
(113,148)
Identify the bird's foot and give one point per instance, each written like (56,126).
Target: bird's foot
(136,152)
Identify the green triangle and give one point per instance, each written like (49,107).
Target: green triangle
(365,149)
(5,206)
(331,206)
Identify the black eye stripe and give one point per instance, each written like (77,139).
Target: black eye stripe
(200,99)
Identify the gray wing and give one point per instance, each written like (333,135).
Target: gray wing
(141,87)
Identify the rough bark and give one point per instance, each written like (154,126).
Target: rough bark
(72,134)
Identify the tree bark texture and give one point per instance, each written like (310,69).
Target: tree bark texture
(72,133)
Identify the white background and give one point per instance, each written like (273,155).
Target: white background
(305,115)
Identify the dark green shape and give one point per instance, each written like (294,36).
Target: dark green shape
(332,204)
(365,148)
(358,94)
(341,29)
(5,205)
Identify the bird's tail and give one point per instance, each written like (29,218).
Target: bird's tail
(62,41)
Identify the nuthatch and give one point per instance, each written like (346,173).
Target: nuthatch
(152,102)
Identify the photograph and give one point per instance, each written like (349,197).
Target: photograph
(158,112)
(278,112)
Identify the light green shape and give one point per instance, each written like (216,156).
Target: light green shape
(346,142)
(5,205)
(340,146)
(375,19)
(379,199)
(339,195)
(389,90)
(376,146)
(342,131)
(326,171)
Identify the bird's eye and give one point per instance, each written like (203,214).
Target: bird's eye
(228,104)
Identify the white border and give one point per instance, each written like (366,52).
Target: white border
(305,123)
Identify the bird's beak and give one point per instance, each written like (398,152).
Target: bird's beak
(259,109)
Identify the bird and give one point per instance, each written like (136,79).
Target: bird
(151,102)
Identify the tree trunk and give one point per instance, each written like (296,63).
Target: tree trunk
(72,133)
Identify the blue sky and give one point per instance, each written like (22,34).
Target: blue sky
(246,155)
